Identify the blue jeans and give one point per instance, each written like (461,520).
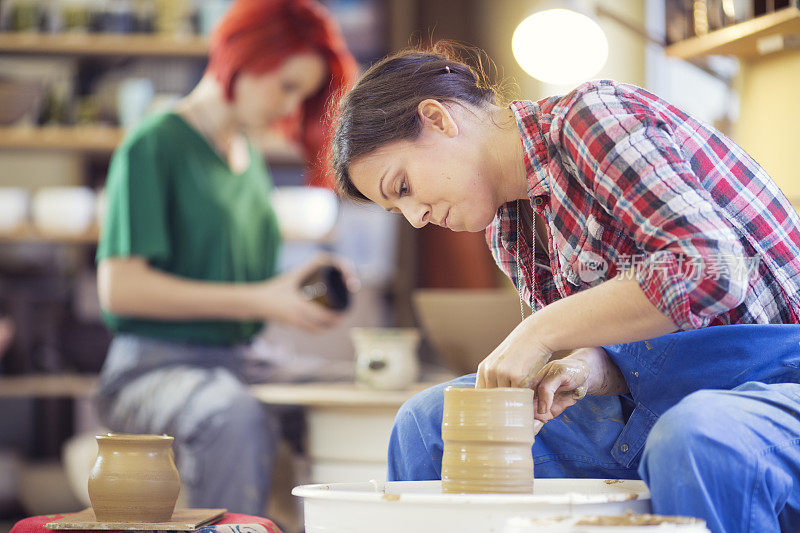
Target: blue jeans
(730,457)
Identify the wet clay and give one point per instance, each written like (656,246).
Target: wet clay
(635,520)
(134,478)
(487,434)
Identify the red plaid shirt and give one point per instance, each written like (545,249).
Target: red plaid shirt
(629,183)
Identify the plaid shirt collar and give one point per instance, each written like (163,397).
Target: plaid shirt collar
(534,125)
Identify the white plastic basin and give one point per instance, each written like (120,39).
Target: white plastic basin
(420,506)
(659,524)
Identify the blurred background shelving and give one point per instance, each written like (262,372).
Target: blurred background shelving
(747,39)
(99,139)
(29,233)
(74,76)
(73,81)
(104,45)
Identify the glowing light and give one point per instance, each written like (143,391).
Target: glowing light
(560,46)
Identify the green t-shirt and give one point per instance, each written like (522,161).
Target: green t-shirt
(172,200)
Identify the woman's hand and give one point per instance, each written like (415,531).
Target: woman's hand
(281,299)
(516,361)
(564,382)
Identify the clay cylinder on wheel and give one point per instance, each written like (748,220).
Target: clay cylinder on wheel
(487,434)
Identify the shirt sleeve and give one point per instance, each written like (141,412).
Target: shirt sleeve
(136,219)
(629,160)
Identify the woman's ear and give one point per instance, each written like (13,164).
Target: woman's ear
(436,116)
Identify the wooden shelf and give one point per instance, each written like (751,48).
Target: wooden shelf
(71,138)
(99,44)
(30,234)
(105,139)
(345,394)
(740,39)
(48,386)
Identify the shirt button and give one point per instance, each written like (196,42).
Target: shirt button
(624,448)
(538,200)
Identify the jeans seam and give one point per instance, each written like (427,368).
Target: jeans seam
(539,459)
(424,443)
(759,455)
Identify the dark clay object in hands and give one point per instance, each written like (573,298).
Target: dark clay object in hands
(327,287)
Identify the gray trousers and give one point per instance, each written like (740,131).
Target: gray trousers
(225,440)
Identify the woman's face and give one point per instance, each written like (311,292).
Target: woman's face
(442,177)
(261,99)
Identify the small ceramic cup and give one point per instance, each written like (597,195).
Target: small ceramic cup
(134,478)
(386,358)
(488,434)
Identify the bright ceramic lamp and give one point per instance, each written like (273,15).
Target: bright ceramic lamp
(560,46)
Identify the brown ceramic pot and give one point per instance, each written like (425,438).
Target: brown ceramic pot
(134,478)
(488,434)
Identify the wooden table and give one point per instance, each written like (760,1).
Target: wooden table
(348,426)
(48,386)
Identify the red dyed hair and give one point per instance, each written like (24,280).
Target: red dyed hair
(257,36)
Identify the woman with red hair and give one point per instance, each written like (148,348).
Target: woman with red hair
(188,251)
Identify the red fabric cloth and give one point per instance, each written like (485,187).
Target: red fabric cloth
(35,524)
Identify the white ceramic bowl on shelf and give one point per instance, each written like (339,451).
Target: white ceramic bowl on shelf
(14,205)
(65,210)
(305,213)
(386,358)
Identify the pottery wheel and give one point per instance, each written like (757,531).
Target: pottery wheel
(420,506)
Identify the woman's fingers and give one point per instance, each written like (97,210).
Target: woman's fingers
(480,380)
(558,385)
(496,371)
(502,377)
(550,383)
(319,315)
(311,317)
(487,374)
(579,393)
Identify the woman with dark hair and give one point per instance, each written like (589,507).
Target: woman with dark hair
(187,256)
(662,264)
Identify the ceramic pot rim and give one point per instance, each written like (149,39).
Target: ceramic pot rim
(471,390)
(632,490)
(134,437)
